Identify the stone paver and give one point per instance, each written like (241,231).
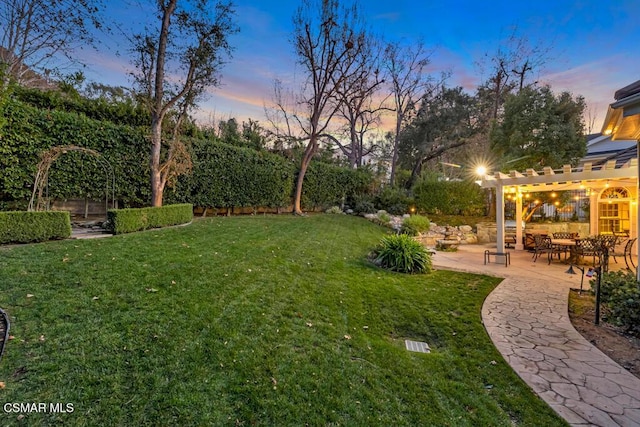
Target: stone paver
(527,319)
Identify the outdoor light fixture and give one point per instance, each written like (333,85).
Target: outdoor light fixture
(572,271)
(481,170)
(589,273)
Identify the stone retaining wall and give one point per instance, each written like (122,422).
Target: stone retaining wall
(487,230)
(463,235)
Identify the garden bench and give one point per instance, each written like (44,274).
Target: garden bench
(506,255)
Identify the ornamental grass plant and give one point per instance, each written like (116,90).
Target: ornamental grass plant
(403,254)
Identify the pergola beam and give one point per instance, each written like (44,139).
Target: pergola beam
(560,179)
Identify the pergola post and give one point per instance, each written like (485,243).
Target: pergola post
(519,245)
(499,220)
(593,211)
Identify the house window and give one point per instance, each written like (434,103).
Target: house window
(613,211)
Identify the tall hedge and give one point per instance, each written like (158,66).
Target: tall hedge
(327,185)
(28,131)
(226,176)
(223,176)
(448,197)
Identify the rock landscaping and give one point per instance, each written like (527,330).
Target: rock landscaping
(450,237)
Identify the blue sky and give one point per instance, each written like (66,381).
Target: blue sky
(594,45)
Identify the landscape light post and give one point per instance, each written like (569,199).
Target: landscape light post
(590,272)
(596,270)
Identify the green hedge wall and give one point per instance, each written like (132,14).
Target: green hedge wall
(124,113)
(226,176)
(28,131)
(448,197)
(327,185)
(26,227)
(223,176)
(121,221)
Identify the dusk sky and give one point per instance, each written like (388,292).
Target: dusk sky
(594,45)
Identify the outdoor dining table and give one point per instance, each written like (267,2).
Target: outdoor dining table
(570,244)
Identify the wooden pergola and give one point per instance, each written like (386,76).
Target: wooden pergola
(622,123)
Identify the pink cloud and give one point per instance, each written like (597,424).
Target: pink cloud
(596,81)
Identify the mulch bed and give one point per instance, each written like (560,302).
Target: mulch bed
(611,340)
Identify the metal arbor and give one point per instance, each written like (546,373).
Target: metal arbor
(42,175)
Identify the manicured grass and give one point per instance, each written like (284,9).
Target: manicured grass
(251,321)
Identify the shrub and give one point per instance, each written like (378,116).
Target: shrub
(334,210)
(403,254)
(384,217)
(129,220)
(448,197)
(393,200)
(364,207)
(26,227)
(415,225)
(620,294)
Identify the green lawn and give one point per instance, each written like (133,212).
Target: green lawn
(275,320)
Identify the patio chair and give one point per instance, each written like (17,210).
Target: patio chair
(607,241)
(4,330)
(589,247)
(565,235)
(622,238)
(543,245)
(629,254)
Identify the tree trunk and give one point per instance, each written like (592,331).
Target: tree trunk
(306,159)
(415,173)
(394,160)
(297,210)
(156,176)
(396,140)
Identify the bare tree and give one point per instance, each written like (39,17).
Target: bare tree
(327,40)
(280,116)
(359,106)
(406,68)
(35,32)
(175,67)
(591,116)
(513,66)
